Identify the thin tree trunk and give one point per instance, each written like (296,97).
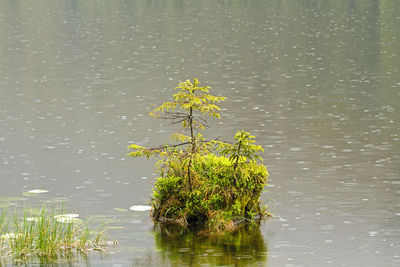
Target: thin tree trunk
(191,130)
(192,148)
(236,163)
(237,158)
(188,173)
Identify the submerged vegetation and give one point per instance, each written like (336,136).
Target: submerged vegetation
(209,183)
(45,234)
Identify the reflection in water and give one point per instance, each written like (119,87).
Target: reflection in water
(316,81)
(181,247)
(63,259)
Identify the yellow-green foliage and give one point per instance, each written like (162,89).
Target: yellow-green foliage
(220,197)
(191,96)
(211,183)
(243,148)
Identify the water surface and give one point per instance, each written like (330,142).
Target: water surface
(317,82)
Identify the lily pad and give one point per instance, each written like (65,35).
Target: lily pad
(68,218)
(32,219)
(140,208)
(38,191)
(34,192)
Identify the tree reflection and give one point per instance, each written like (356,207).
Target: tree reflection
(183,247)
(67,258)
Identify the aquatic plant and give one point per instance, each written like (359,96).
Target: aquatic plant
(203,182)
(46,234)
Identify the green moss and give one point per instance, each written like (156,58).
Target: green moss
(220,197)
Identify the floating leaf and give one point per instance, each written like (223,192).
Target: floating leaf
(68,218)
(32,219)
(38,191)
(120,209)
(140,208)
(72,215)
(34,192)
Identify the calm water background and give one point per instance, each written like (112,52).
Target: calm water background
(318,83)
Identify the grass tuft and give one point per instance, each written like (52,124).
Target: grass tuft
(45,235)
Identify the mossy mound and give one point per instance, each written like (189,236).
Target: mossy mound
(220,197)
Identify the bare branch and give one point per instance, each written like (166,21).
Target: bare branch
(172,146)
(166,146)
(178,117)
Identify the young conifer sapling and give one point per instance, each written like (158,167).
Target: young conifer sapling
(205,182)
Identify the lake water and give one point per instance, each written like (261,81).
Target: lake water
(318,83)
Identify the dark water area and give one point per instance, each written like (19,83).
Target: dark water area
(317,82)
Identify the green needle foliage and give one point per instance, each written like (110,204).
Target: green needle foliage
(190,98)
(202,182)
(243,150)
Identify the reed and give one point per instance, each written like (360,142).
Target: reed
(47,234)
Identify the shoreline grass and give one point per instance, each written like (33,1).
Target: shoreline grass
(49,234)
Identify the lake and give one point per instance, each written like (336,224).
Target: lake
(317,82)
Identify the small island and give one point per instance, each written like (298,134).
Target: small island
(210,184)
